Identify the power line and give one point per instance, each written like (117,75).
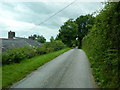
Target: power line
(55,14)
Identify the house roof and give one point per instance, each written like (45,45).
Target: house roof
(18,43)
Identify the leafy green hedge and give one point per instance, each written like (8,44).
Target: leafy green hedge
(55,45)
(17,54)
(102,46)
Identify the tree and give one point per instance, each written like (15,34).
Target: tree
(51,39)
(84,24)
(34,36)
(68,33)
(72,32)
(41,39)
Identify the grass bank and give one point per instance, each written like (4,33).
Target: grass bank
(15,72)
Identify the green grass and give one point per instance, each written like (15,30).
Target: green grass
(15,72)
(0,77)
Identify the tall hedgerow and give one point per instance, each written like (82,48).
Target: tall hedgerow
(102,46)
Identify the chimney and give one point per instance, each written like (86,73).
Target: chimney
(11,35)
(31,37)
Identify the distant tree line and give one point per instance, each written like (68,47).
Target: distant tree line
(39,38)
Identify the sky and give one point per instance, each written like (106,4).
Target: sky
(24,17)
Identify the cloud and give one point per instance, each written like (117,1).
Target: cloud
(27,28)
(24,17)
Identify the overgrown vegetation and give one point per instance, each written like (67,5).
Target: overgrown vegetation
(73,31)
(17,54)
(102,46)
(14,72)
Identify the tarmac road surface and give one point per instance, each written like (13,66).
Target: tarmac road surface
(69,70)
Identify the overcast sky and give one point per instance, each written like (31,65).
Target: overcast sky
(24,17)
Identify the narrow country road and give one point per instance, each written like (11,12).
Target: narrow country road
(69,70)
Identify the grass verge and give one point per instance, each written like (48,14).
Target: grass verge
(15,72)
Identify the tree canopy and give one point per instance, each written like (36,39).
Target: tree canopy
(52,39)
(39,38)
(72,32)
(68,33)
(84,24)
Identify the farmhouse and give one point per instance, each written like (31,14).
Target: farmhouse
(17,42)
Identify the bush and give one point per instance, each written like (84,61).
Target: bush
(29,52)
(41,50)
(5,58)
(17,54)
(102,46)
(13,55)
(55,45)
